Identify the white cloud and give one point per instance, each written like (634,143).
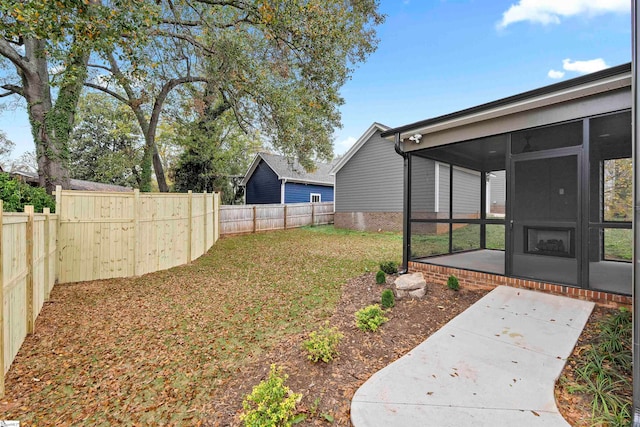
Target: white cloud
(584,67)
(580,67)
(547,12)
(343,146)
(555,74)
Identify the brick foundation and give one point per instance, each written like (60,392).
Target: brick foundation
(369,221)
(474,279)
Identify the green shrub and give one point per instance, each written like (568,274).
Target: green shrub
(370,318)
(322,344)
(452,283)
(603,371)
(16,195)
(271,403)
(389,267)
(380,277)
(387,299)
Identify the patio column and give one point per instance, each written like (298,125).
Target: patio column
(406,208)
(635,17)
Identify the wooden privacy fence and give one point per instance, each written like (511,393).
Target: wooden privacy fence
(253,218)
(27,275)
(99,235)
(93,236)
(105,235)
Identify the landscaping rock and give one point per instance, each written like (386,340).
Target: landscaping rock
(418,293)
(410,285)
(410,282)
(401,294)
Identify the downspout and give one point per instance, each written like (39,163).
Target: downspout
(406,226)
(635,103)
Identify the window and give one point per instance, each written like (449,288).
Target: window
(618,190)
(316,197)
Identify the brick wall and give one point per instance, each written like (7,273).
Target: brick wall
(369,221)
(439,274)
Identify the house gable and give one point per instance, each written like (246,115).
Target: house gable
(371,179)
(263,185)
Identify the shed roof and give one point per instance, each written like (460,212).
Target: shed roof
(290,170)
(375,126)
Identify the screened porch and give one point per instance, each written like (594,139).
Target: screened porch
(552,203)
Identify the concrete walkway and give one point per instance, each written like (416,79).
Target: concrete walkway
(494,364)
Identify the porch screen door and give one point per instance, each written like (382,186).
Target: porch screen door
(544,223)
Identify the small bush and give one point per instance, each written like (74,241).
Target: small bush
(387,299)
(452,283)
(389,267)
(380,277)
(370,318)
(16,195)
(322,344)
(271,403)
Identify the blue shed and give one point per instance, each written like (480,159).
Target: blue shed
(276,179)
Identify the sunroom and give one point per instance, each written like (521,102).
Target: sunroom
(537,186)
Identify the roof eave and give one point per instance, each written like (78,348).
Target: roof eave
(375,126)
(306,181)
(502,106)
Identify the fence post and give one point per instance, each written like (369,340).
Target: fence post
(285,217)
(47,249)
(313,214)
(189,227)
(57,258)
(29,236)
(1,306)
(216,216)
(136,231)
(205,207)
(254,218)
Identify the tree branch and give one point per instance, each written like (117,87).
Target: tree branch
(168,87)
(12,90)
(12,55)
(107,91)
(182,23)
(186,38)
(102,67)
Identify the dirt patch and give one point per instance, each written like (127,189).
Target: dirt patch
(328,388)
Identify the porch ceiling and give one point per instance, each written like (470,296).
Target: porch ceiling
(486,154)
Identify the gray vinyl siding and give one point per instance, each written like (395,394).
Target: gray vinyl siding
(498,188)
(422,185)
(466,192)
(372,180)
(443,199)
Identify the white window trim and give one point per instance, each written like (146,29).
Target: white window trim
(315,194)
(436,192)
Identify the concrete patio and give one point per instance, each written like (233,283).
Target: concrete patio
(494,364)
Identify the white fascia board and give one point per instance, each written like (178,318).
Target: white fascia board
(307,181)
(251,169)
(572,93)
(357,145)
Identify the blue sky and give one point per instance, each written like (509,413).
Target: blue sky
(440,56)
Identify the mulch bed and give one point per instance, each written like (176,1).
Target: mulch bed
(328,388)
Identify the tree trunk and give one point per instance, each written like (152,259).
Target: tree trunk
(52,169)
(159,170)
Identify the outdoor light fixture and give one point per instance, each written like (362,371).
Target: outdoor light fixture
(416,138)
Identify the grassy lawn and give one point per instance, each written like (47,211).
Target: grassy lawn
(153,349)
(464,238)
(618,244)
